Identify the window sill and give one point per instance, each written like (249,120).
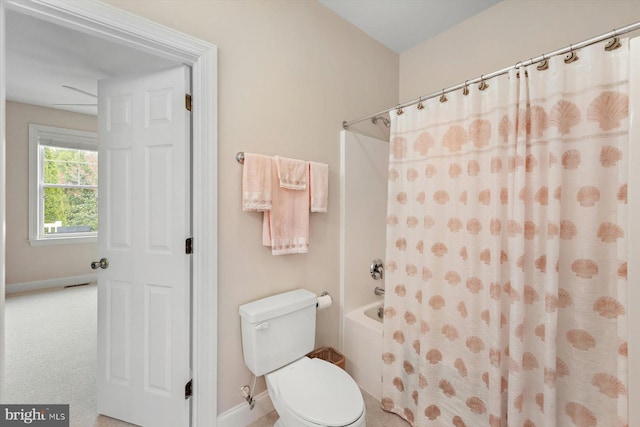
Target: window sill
(63,240)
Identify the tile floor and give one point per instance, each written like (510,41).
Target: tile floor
(375,416)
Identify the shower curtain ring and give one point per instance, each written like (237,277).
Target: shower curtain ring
(465,90)
(614,43)
(420,106)
(443,97)
(483,85)
(543,65)
(571,57)
(399,110)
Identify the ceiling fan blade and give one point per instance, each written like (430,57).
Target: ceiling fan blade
(80,90)
(79,105)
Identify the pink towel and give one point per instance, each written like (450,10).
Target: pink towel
(318,186)
(256,182)
(286,226)
(292,173)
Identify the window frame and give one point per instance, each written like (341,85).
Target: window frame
(40,135)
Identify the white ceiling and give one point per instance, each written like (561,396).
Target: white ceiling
(42,57)
(403,24)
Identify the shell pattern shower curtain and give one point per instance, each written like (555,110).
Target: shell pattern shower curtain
(506,251)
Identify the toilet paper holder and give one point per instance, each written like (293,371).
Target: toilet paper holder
(324,294)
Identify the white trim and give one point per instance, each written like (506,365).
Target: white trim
(205,243)
(71,240)
(343,235)
(3,193)
(241,415)
(39,285)
(114,24)
(633,255)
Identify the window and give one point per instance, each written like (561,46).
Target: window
(63,185)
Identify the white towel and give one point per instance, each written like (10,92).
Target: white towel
(318,186)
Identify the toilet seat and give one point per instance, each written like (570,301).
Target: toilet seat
(318,392)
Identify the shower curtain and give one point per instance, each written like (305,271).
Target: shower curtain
(506,251)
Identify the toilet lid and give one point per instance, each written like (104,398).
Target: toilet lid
(321,393)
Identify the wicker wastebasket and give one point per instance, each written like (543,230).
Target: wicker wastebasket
(330,355)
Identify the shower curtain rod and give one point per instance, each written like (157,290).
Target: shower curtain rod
(569,49)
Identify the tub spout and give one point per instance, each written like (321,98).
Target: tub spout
(378,291)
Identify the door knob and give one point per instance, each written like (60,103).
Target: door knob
(103,263)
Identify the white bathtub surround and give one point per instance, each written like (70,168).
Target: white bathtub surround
(363,348)
(363,194)
(363,199)
(364,164)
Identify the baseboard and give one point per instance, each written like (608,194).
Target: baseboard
(38,285)
(242,416)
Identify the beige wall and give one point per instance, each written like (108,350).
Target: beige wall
(504,34)
(289,73)
(25,263)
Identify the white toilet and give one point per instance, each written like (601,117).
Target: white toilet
(277,333)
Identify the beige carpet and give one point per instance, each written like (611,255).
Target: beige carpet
(51,352)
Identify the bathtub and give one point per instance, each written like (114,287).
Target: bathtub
(362,338)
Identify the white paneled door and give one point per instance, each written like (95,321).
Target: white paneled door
(144,220)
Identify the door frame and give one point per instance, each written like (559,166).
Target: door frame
(107,22)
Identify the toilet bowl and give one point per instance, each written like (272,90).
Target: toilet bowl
(313,392)
(277,333)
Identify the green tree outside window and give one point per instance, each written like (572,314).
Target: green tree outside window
(71,189)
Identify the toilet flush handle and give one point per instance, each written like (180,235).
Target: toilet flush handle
(261,326)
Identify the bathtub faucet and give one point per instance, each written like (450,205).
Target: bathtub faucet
(377,269)
(378,291)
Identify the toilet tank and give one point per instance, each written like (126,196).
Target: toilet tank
(278,330)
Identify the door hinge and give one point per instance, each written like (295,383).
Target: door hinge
(187,102)
(188,389)
(188,246)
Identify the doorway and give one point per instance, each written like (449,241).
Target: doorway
(108,23)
